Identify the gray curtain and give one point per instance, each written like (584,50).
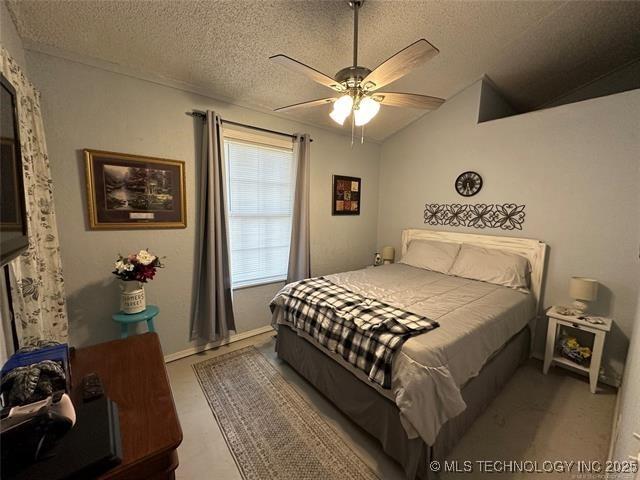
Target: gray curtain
(300,252)
(213,311)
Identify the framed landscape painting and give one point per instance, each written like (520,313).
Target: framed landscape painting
(346,195)
(131,191)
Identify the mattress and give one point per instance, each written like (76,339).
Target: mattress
(476,320)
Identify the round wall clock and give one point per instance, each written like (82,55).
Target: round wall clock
(468,184)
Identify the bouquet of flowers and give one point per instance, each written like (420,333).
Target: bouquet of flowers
(139,266)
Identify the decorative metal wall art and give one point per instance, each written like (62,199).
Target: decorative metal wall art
(506,216)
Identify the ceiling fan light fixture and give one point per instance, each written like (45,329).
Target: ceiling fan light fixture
(341,109)
(343,105)
(368,109)
(338,118)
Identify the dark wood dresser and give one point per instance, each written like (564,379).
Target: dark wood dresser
(134,376)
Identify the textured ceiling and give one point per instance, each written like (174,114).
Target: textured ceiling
(533,51)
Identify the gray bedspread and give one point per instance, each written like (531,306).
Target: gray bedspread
(476,320)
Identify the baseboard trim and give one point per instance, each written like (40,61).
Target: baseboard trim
(612,382)
(208,346)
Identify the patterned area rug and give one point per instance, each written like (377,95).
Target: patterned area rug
(271,431)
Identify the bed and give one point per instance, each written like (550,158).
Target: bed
(441,380)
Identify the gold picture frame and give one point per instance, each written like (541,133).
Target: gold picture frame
(126,192)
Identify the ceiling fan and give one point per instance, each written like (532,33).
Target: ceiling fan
(358,86)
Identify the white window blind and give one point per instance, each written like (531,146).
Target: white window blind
(261,189)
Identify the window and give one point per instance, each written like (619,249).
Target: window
(260,189)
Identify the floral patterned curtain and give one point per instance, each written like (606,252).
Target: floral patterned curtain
(37,286)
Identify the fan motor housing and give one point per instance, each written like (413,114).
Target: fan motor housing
(352,76)
(354,3)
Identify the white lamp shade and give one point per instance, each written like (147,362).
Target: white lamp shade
(367,109)
(581,288)
(388,253)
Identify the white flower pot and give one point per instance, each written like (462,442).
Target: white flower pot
(132,299)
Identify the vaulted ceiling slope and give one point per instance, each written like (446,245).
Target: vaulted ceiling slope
(533,51)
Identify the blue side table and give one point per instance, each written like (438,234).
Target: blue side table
(125,319)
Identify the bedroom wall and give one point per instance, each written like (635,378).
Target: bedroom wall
(622,79)
(89,107)
(576,168)
(628,421)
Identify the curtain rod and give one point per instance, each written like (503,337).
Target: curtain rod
(203,115)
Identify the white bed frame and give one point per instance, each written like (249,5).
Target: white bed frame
(534,250)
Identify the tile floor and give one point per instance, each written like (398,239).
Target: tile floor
(535,417)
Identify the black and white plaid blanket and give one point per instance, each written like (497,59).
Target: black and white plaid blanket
(364,331)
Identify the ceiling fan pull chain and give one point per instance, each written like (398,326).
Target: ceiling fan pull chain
(362,136)
(353,128)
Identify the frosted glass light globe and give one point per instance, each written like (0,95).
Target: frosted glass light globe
(368,109)
(341,109)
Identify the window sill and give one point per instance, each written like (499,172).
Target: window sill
(258,283)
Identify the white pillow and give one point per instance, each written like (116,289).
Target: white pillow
(491,265)
(432,255)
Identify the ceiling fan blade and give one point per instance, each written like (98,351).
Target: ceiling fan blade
(412,100)
(312,103)
(399,65)
(311,73)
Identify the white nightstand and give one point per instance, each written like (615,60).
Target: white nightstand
(599,331)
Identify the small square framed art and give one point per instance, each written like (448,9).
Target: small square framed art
(347,195)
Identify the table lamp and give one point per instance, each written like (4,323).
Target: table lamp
(388,255)
(582,290)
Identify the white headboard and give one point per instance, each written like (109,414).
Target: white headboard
(534,250)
